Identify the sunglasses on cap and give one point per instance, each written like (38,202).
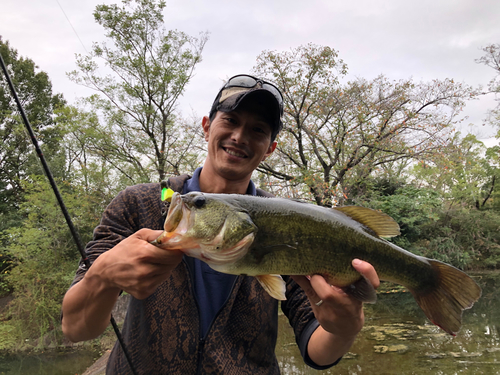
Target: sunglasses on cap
(247,81)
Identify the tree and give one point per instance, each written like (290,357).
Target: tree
(466,173)
(45,255)
(410,206)
(335,135)
(491,58)
(149,70)
(17,157)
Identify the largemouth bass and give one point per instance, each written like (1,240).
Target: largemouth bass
(268,237)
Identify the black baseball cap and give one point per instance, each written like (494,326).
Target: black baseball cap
(244,87)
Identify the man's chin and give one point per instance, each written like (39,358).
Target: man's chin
(234,173)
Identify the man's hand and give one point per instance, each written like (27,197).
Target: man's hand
(340,316)
(135,266)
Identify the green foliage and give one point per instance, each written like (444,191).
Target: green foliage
(45,256)
(466,172)
(39,288)
(409,206)
(142,136)
(490,191)
(8,337)
(85,143)
(17,157)
(6,263)
(463,237)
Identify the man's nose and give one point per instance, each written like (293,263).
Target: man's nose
(239,134)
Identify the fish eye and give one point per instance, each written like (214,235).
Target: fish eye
(199,201)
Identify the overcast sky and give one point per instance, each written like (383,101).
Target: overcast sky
(424,39)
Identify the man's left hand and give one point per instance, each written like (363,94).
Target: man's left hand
(339,314)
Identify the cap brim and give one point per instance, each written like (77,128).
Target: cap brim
(265,99)
(232,101)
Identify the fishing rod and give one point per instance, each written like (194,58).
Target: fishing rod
(74,232)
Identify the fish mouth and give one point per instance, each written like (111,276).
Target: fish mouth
(176,225)
(175,213)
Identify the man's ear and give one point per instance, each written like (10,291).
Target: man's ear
(270,150)
(205,123)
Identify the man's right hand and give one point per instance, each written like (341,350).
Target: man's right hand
(134,266)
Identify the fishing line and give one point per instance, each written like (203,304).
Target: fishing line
(74,232)
(78,36)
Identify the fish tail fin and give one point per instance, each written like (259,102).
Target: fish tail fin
(455,291)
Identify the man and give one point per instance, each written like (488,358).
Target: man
(184,317)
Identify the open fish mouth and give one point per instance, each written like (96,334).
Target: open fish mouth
(176,225)
(175,213)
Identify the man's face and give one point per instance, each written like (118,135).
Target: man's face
(237,142)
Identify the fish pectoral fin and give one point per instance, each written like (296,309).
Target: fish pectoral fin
(362,290)
(383,225)
(274,285)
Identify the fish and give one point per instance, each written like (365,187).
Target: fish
(269,237)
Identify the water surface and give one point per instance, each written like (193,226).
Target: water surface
(398,339)
(48,363)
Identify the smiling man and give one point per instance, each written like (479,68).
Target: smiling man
(184,317)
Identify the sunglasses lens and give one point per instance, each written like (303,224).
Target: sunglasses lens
(242,81)
(274,91)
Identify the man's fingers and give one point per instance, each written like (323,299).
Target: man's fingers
(316,288)
(306,286)
(137,251)
(302,281)
(148,234)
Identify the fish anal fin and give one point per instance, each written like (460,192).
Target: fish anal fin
(274,285)
(453,293)
(382,224)
(362,290)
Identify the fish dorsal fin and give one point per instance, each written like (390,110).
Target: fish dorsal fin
(383,225)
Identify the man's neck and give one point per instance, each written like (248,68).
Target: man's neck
(213,183)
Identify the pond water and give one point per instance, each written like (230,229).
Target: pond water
(48,363)
(397,339)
